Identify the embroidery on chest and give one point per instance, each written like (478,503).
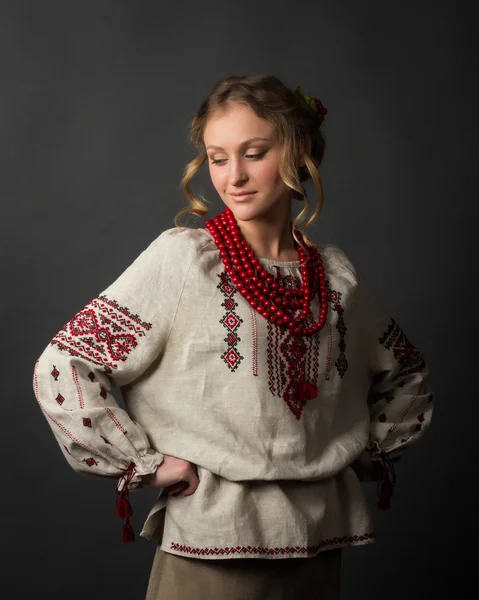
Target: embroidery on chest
(292,359)
(103,333)
(231,321)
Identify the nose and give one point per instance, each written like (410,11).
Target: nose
(237,174)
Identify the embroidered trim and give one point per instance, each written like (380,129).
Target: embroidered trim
(409,357)
(78,387)
(231,322)
(258,550)
(341,363)
(103,333)
(291,358)
(110,413)
(276,364)
(254,352)
(66,431)
(407,409)
(328,356)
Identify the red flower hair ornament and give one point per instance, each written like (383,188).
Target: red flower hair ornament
(314,105)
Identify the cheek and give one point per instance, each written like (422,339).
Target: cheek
(269,174)
(215,176)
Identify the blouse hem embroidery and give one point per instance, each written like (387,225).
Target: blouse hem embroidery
(264,552)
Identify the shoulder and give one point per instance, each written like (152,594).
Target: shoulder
(183,241)
(338,264)
(166,260)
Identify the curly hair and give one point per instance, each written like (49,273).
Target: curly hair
(299,134)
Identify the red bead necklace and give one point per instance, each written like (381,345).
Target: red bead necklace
(263,291)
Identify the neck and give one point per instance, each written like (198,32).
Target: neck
(271,239)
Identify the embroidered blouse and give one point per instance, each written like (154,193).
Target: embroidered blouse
(207,379)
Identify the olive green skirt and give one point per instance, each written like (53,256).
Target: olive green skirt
(183,578)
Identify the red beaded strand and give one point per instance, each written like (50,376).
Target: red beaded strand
(262,290)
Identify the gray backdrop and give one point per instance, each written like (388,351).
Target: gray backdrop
(96,99)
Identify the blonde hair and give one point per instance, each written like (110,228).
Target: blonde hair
(299,135)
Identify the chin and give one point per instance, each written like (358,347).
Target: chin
(249,211)
(246,213)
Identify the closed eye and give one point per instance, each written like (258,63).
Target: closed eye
(220,161)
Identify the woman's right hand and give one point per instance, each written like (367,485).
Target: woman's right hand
(179,477)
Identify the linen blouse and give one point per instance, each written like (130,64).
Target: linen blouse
(207,379)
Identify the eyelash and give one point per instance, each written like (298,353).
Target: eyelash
(252,156)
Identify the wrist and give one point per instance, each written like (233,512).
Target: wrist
(148,479)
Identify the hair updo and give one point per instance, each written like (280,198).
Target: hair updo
(299,134)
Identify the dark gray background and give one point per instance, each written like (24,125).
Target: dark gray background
(96,99)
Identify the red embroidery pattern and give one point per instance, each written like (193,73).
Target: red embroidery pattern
(86,422)
(291,358)
(407,409)
(334,299)
(330,346)
(115,420)
(394,339)
(276,364)
(35,380)
(55,373)
(78,387)
(103,333)
(255,341)
(66,431)
(294,349)
(231,322)
(258,550)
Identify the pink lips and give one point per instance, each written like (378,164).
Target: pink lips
(243,195)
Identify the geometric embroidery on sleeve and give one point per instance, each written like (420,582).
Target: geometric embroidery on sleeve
(110,413)
(76,381)
(103,333)
(394,339)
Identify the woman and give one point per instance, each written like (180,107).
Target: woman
(260,376)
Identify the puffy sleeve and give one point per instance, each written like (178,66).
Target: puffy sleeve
(400,400)
(111,342)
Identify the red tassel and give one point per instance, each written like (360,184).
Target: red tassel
(386,485)
(307,391)
(128,535)
(123,506)
(385,493)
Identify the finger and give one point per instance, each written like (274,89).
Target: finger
(177,487)
(192,486)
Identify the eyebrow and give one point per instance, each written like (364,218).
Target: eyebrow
(245,143)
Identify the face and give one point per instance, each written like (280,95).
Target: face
(243,158)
